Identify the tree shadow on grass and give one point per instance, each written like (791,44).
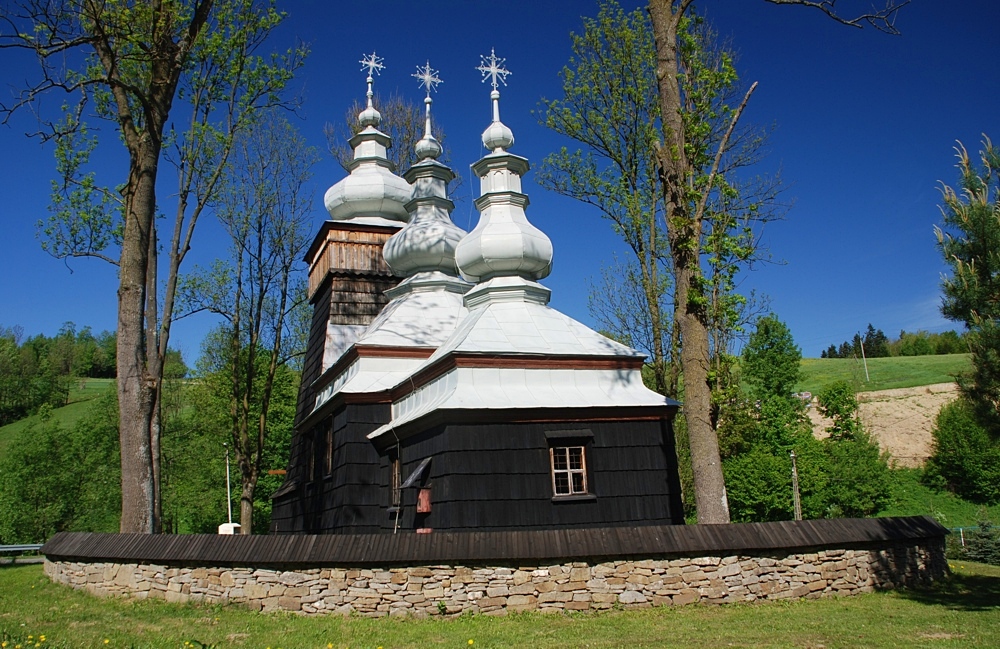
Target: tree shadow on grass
(960,592)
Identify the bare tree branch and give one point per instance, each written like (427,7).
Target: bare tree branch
(883,19)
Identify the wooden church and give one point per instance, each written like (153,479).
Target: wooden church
(440,391)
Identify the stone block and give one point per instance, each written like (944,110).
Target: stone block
(526,588)
(522,602)
(555,596)
(632,597)
(176,597)
(486,602)
(521,577)
(686,596)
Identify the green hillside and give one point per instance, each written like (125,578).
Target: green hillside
(884,373)
(81,393)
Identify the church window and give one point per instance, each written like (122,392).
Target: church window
(569,470)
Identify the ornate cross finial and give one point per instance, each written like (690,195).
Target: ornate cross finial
(428,76)
(372,62)
(494,69)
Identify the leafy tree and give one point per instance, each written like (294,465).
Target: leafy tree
(970,244)
(771,359)
(686,188)
(266,211)
(609,105)
(138,65)
(617,123)
(859,482)
(839,402)
(964,457)
(54,479)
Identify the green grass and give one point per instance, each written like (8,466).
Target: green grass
(81,393)
(884,373)
(910,498)
(961,612)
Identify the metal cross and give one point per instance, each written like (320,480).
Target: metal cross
(494,70)
(372,62)
(428,76)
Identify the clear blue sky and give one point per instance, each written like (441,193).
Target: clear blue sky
(865,129)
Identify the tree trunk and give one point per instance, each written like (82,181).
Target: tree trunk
(246,506)
(684,235)
(136,387)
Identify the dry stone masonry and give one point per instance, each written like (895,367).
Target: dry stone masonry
(578,586)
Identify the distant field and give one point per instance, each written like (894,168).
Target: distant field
(885,373)
(81,393)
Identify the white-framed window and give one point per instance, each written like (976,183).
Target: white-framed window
(569,470)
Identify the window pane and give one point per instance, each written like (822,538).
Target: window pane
(576,457)
(562,483)
(559,462)
(578,486)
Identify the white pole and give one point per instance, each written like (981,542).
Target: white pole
(796,500)
(229,491)
(865,360)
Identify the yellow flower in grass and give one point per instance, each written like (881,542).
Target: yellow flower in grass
(106,641)
(329,645)
(471,641)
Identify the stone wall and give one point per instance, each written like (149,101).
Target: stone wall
(452,590)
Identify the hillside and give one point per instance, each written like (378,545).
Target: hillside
(883,373)
(81,393)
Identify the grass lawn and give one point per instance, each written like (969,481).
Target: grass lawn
(962,612)
(81,393)
(885,373)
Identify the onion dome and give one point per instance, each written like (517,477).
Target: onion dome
(427,243)
(504,243)
(371,193)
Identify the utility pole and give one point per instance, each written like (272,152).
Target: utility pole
(795,488)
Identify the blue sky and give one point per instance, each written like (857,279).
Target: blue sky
(865,129)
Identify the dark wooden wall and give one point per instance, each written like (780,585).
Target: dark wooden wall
(351,498)
(493,477)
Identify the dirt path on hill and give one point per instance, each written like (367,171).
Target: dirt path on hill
(900,419)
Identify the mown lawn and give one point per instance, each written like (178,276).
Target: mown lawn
(962,612)
(884,373)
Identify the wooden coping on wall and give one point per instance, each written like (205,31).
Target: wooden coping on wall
(531,547)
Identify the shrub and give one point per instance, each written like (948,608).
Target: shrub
(983,544)
(965,458)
